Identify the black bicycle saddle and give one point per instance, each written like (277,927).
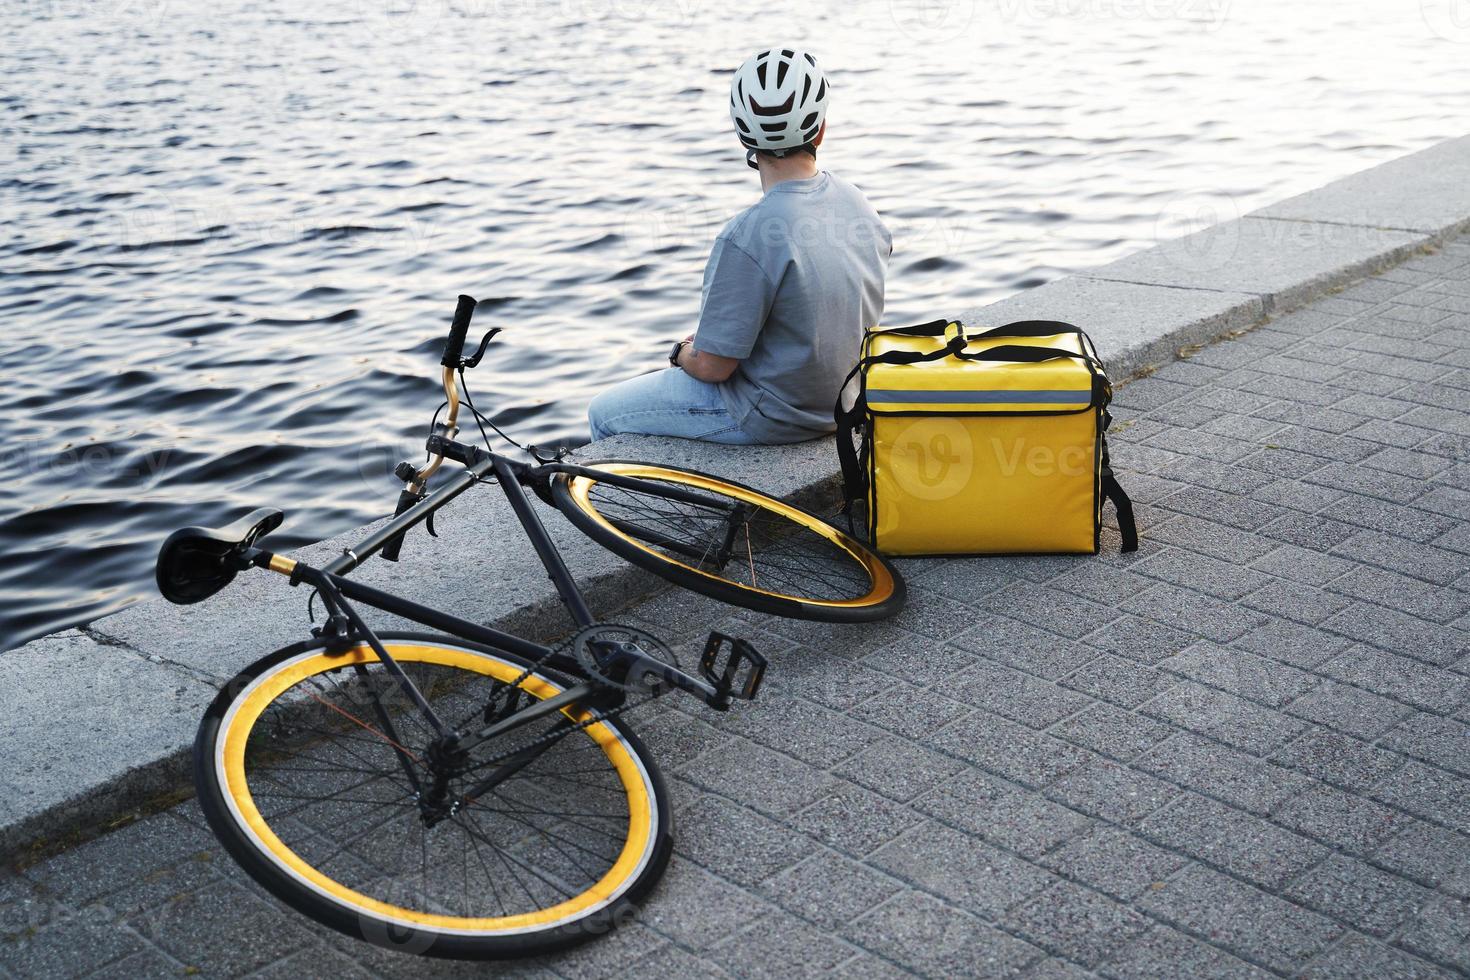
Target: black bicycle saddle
(196,562)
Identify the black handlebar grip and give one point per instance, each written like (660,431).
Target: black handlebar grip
(454,343)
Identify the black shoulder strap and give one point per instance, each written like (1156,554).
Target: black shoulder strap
(1020,352)
(849,421)
(1041,328)
(1112,490)
(1031,328)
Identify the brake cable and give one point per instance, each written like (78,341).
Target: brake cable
(481,420)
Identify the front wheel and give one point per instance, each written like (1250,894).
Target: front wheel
(311,766)
(727,541)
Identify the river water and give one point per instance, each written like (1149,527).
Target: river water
(234,231)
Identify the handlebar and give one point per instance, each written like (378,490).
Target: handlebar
(416,479)
(454,343)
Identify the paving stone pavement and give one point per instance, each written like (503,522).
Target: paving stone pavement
(1242,751)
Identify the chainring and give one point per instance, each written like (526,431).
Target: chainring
(585,647)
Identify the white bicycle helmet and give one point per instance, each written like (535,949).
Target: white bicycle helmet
(778,100)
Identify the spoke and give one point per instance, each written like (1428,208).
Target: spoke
(548,813)
(358,721)
(506,860)
(562,777)
(276,767)
(479,856)
(320,799)
(337,740)
(552,840)
(780,555)
(329,798)
(361,836)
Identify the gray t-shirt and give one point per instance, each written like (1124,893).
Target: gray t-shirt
(791,284)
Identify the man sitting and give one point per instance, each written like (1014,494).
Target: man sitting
(791,284)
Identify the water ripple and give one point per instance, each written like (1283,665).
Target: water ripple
(231,250)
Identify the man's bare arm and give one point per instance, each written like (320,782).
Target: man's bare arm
(706,366)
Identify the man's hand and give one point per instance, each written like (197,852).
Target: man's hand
(705,366)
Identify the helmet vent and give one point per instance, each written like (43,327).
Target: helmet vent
(774,110)
(809,121)
(781,70)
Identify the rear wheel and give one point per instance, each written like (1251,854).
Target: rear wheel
(730,542)
(310,766)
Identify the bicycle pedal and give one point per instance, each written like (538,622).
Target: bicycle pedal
(732,666)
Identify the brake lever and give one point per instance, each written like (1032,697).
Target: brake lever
(474,360)
(390,550)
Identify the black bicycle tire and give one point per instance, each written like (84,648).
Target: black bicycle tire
(348,922)
(721,589)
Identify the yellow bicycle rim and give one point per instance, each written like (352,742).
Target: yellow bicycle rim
(239,721)
(878,575)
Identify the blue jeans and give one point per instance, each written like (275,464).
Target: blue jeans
(665,403)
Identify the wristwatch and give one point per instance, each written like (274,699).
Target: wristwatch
(674,354)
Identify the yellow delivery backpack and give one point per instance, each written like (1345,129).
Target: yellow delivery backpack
(980,443)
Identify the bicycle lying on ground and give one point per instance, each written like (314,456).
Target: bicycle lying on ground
(476,794)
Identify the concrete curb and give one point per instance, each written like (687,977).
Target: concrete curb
(125,693)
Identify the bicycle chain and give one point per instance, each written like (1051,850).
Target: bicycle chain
(579,726)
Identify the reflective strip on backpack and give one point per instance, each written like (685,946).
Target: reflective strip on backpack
(1074,396)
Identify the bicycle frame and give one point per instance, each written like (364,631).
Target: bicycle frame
(336,588)
(346,625)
